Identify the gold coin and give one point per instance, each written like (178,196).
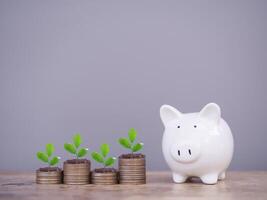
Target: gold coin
(132,174)
(132,166)
(132,160)
(131,177)
(103,181)
(103,175)
(133,183)
(122,169)
(51,177)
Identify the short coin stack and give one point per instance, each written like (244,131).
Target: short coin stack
(132,170)
(48,177)
(108,178)
(76,173)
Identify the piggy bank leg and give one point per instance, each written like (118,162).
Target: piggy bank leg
(209,178)
(178,178)
(221,176)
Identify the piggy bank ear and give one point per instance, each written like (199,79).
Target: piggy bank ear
(168,113)
(211,113)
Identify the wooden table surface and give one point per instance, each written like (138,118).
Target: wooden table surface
(238,185)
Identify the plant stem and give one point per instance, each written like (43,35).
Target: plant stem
(132,150)
(76,153)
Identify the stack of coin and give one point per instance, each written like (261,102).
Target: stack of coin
(76,173)
(49,177)
(104,178)
(132,171)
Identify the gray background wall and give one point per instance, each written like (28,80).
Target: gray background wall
(101,67)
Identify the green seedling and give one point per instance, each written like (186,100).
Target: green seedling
(46,156)
(74,148)
(102,156)
(129,143)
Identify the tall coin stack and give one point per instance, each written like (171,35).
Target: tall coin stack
(49,177)
(132,170)
(76,174)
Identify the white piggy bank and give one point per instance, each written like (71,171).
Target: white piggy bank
(196,144)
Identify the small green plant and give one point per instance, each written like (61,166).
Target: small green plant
(102,156)
(74,148)
(129,143)
(46,156)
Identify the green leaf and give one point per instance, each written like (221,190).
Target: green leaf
(42,156)
(54,161)
(77,140)
(132,135)
(50,149)
(110,161)
(82,152)
(137,147)
(70,148)
(104,149)
(97,157)
(125,143)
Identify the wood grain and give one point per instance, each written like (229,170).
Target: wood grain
(238,185)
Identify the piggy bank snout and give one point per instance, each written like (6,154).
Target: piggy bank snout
(185,152)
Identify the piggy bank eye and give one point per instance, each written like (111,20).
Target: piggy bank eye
(178,126)
(195,126)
